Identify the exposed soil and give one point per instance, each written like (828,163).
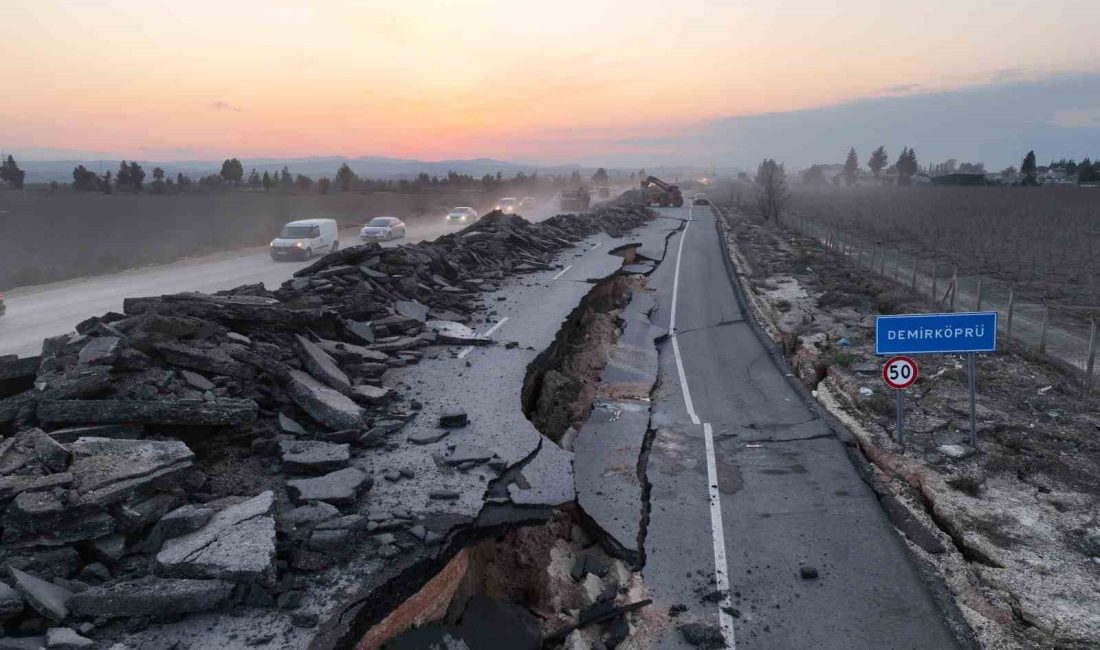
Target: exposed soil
(557,573)
(1014,529)
(561,382)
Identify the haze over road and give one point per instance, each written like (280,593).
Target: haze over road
(37,312)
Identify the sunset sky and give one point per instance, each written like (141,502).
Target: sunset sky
(537,81)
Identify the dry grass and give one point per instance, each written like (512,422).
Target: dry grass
(1044,240)
(49,237)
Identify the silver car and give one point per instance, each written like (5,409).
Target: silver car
(462,215)
(383,229)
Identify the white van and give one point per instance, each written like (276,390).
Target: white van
(303,239)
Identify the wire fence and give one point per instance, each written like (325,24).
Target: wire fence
(1038,326)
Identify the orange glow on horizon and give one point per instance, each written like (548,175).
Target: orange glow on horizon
(437,79)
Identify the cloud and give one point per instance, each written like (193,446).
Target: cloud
(1077,118)
(995,123)
(220,105)
(898,89)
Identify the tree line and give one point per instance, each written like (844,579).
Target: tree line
(131,178)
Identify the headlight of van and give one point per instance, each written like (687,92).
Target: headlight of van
(298,245)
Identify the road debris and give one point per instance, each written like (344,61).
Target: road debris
(200,452)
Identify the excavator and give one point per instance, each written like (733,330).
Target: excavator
(658,192)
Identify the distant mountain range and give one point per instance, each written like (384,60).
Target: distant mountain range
(44,171)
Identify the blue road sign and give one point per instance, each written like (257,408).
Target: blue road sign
(936,333)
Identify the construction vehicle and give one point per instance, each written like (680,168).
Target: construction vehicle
(658,192)
(574,200)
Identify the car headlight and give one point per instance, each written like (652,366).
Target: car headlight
(299,245)
(273,243)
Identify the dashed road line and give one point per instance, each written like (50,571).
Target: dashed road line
(561,272)
(466,350)
(718,536)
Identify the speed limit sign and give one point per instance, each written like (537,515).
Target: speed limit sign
(899,372)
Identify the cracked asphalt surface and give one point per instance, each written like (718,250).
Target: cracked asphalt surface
(788,495)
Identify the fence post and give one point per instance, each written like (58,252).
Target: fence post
(954,286)
(934,283)
(1092,355)
(978,307)
(1043,329)
(882,264)
(914,281)
(1011,307)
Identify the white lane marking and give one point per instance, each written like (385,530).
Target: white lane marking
(718,535)
(672,325)
(721,567)
(562,272)
(595,246)
(494,328)
(466,350)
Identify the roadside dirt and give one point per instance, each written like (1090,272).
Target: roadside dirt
(1014,529)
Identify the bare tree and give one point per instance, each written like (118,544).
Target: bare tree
(771,190)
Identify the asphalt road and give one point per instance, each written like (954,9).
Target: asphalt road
(37,312)
(750,485)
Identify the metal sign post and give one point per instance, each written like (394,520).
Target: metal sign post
(956,333)
(971,375)
(900,373)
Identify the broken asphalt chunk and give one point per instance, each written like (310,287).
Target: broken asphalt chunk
(327,406)
(157,598)
(46,598)
(453,420)
(340,488)
(191,412)
(237,544)
(313,456)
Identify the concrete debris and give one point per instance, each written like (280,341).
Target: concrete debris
(453,420)
(313,456)
(327,406)
(237,544)
(46,598)
(188,412)
(99,350)
(340,488)
(11,602)
(144,460)
(156,598)
(106,471)
(64,638)
(288,425)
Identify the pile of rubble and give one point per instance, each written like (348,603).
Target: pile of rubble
(194,452)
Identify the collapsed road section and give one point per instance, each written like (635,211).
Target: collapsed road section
(287,468)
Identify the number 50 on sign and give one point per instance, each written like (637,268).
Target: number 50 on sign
(899,373)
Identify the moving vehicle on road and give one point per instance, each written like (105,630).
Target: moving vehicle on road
(462,215)
(508,204)
(658,192)
(700,199)
(3,307)
(302,239)
(383,229)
